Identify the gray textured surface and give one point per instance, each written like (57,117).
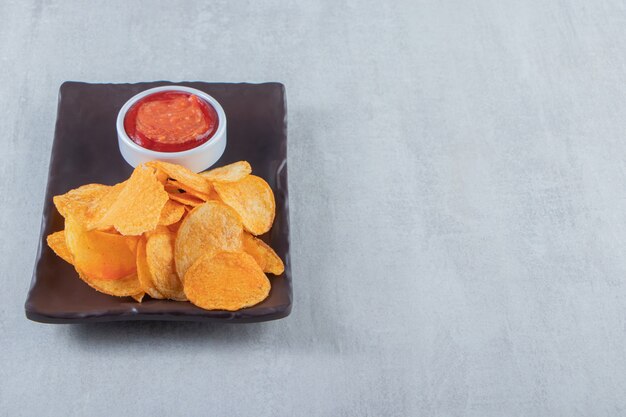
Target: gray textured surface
(458,183)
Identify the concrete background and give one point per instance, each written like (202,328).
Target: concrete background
(458,197)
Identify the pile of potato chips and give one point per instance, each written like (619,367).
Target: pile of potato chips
(173,234)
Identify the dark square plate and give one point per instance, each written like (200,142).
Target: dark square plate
(85,151)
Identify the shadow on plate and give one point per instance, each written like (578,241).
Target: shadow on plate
(150,333)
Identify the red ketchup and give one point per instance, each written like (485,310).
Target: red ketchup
(170,121)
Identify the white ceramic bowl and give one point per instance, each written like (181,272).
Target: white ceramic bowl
(196,159)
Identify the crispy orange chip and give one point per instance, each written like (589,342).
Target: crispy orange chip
(171,213)
(99,255)
(226,281)
(108,200)
(171,188)
(87,204)
(253,199)
(160,260)
(143,272)
(186,199)
(183,175)
(78,201)
(209,228)
(161,177)
(56,241)
(173,184)
(229,173)
(138,297)
(174,227)
(263,254)
(124,287)
(138,206)
(131,242)
(159,229)
(214,195)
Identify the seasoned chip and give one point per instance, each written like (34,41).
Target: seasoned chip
(208,228)
(263,254)
(186,199)
(56,241)
(99,255)
(106,203)
(174,227)
(171,213)
(253,199)
(131,242)
(229,173)
(214,195)
(160,259)
(138,297)
(161,176)
(173,184)
(124,287)
(183,175)
(87,204)
(226,281)
(138,206)
(160,229)
(171,188)
(143,272)
(77,202)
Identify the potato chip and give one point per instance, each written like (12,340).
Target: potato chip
(213,195)
(160,260)
(253,199)
(263,254)
(183,175)
(138,206)
(174,227)
(159,229)
(161,176)
(131,242)
(171,213)
(78,200)
(143,272)
(229,173)
(56,241)
(87,204)
(226,281)
(208,228)
(124,287)
(173,184)
(171,188)
(186,199)
(99,255)
(138,297)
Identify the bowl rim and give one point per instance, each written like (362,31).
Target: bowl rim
(213,141)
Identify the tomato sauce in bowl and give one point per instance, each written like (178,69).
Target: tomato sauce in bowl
(171,121)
